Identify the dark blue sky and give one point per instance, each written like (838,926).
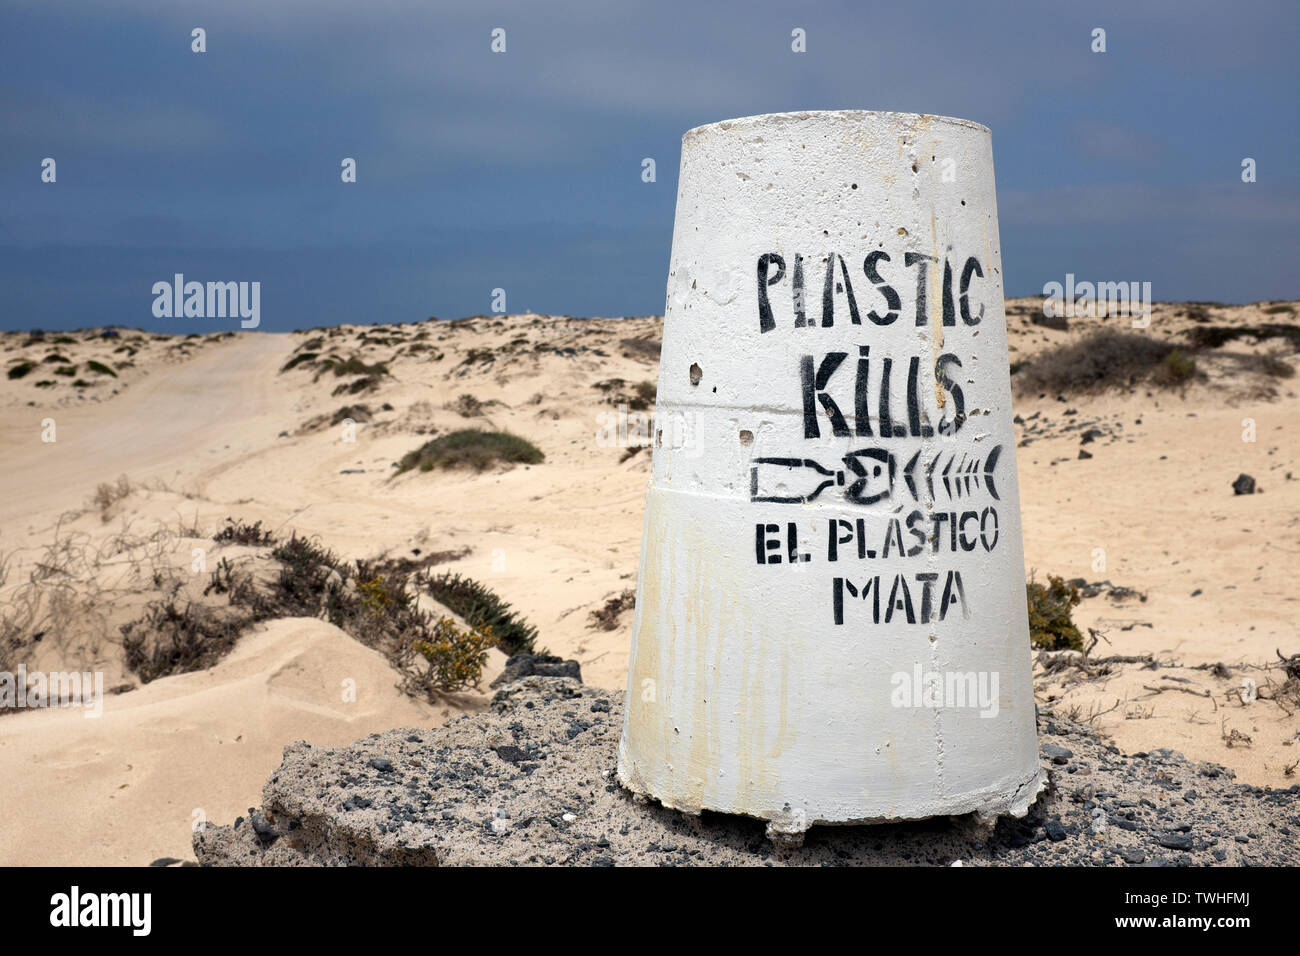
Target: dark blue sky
(522,170)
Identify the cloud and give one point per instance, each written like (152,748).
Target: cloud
(1114,142)
(1227,203)
(95,121)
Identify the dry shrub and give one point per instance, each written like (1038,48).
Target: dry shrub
(169,640)
(367,383)
(302,358)
(107,495)
(471,448)
(467,406)
(1106,359)
(74,585)
(1176,368)
(358,413)
(372,603)
(1050,625)
(606,617)
(1213,336)
(455,656)
(240,532)
(481,608)
(644,349)
(640,397)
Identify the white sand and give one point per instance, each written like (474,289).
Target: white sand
(199,438)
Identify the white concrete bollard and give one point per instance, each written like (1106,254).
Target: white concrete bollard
(830,615)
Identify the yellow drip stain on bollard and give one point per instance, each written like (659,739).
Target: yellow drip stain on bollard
(936,327)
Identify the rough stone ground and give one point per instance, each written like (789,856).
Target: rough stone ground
(532,783)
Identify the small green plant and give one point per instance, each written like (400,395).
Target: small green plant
(456,656)
(302,358)
(375,596)
(21,369)
(168,640)
(419,348)
(354,366)
(606,618)
(644,397)
(224,580)
(1050,624)
(367,383)
(482,608)
(310,578)
(369,600)
(471,448)
(1176,368)
(358,413)
(100,367)
(466,406)
(67,370)
(239,532)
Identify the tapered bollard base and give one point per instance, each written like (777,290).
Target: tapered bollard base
(830,616)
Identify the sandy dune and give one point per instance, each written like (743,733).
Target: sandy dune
(169,426)
(126,788)
(224,432)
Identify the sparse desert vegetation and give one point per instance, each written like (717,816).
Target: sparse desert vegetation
(638,397)
(1183,347)
(302,358)
(179,639)
(1051,626)
(1104,359)
(471,448)
(315,556)
(240,532)
(352,366)
(483,609)
(607,617)
(467,406)
(109,494)
(374,602)
(643,349)
(455,656)
(110,358)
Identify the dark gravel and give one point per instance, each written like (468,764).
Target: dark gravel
(532,783)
